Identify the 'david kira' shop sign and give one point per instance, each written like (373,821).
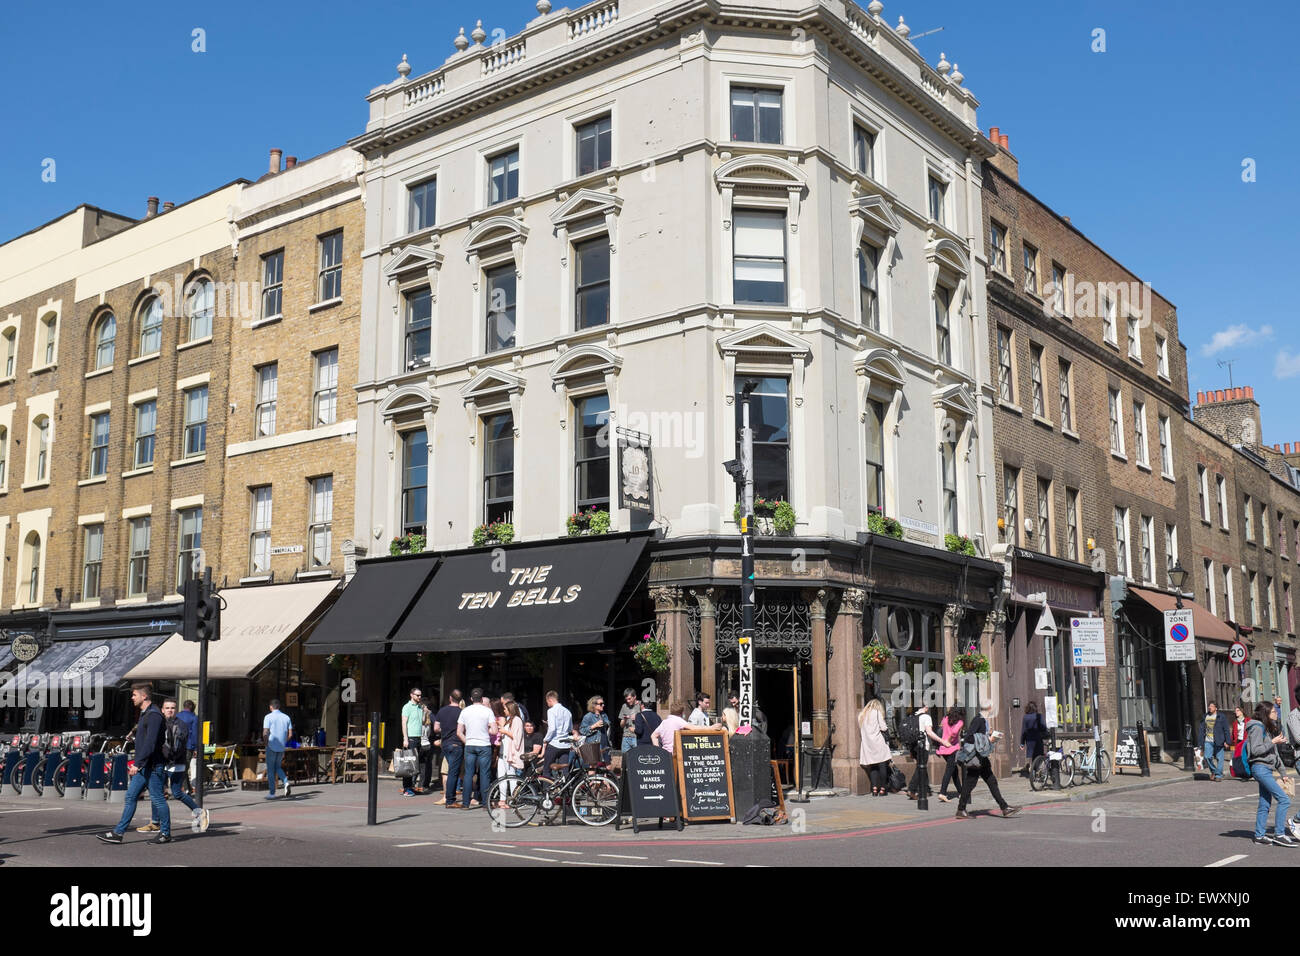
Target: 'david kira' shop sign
(530,589)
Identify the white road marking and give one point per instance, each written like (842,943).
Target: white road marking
(1226,860)
(698,862)
(620,856)
(1230,799)
(542,849)
(402,846)
(524,856)
(32,810)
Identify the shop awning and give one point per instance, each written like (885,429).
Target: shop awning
(110,623)
(546,595)
(255,623)
(372,606)
(109,659)
(1206,625)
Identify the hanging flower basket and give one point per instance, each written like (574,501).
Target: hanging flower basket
(876,657)
(407,544)
(971,662)
(959,544)
(591,521)
(498,532)
(878,523)
(651,655)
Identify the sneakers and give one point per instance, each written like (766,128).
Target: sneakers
(109,837)
(408,793)
(1010,811)
(1258,841)
(162,838)
(1285,840)
(270,796)
(963,815)
(205,819)
(287,787)
(147,828)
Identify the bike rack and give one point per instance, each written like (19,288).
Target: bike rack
(117,778)
(97,777)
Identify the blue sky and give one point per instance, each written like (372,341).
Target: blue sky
(1141,145)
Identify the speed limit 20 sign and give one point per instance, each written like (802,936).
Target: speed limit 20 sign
(1237,653)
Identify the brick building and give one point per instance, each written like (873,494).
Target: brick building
(1089,459)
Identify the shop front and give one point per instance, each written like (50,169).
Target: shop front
(1038,661)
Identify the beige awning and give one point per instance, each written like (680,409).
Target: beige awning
(255,623)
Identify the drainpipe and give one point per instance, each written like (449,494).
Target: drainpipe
(974,326)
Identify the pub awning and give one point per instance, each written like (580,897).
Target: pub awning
(543,594)
(255,623)
(372,606)
(110,658)
(1206,625)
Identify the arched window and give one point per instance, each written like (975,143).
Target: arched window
(151,319)
(34,568)
(199,309)
(4,453)
(42,447)
(10,351)
(105,341)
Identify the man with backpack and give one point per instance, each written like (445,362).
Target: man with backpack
(977,745)
(146,770)
(175,748)
(915,733)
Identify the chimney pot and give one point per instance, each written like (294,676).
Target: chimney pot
(1200,398)
(1218,394)
(168,206)
(274,166)
(290,162)
(993,135)
(1250,391)
(1277,447)
(1241,393)
(151,207)
(1005,142)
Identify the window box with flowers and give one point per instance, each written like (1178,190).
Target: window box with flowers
(879,523)
(498,532)
(959,544)
(771,516)
(407,544)
(591,521)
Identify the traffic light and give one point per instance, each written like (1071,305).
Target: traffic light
(202,615)
(190,619)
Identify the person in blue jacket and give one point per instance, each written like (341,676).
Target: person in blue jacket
(1032,731)
(1214,737)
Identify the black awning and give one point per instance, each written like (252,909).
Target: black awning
(110,659)
(373,605)
(103,624)
(541,595)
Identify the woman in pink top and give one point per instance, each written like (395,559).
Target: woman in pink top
(510,728)
(950,731)
(666,733)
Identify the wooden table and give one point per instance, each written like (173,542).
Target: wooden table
(303,764)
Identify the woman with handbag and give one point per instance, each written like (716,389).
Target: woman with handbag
(950,731)
(1237,740)
(873,749)
(977,746)
(1262,737)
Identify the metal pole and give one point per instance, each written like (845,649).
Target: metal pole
(372,769)
(202,715)
(746,648)
(1189,762)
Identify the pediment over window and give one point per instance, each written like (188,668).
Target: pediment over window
(491,382)
(494,230)
(958,400)
(408,399)
(760,171)
(412,260)
(880,365)
(763,339)
(875,211)
(584,204)
(948,254)
(584,360)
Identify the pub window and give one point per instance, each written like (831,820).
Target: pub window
(875,455)
(498,468)
(769,418)
(591,456)
(415,481)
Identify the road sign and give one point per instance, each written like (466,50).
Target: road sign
(1180,636)
(1237,653)
(1046,622)
(1088,639)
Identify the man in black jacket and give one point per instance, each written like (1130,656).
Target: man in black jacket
(150,769)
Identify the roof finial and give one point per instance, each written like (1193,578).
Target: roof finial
(943,66)
(543,7)
(478,33)
(404,68)
(956,75)
(874,8)
(461,43)
(903,30)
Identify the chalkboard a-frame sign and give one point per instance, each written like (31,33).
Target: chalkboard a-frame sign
(703,762)
(648,787)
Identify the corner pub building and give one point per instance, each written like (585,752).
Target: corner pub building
(581,242)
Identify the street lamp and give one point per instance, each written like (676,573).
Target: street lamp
(1178,577)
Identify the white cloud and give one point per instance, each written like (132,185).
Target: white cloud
(1234,335)
(1287,365)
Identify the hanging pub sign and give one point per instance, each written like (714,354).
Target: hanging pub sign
(635,480)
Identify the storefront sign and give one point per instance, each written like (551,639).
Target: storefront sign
(1127,749)
(746,693)
(648,785)
(1088,641)
(1069,597)
(704,773)
(25,647)
(635,485)
(1180,636)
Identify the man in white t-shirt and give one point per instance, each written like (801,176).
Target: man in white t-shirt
(474,728)
(700,715)
(923,748)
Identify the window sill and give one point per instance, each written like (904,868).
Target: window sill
(269,320)
(173,597)
(1168,477)
(196,460)
(84,605)
(36,484)
(1114,345)
(1033,294)
(1164,376)
(138,599)
(141,359)
(1144,467)
(1045,422)
(313,575)
(327,304)
(99,371)
(1015,409)
(1135,359)
(1119,456)
(146,470)
(43,368)
(1224,530)
(255,579)
(194,344)
(6,381)
(1070,434)
(1205,522)
(97,480)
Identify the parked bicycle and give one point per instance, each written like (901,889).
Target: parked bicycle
(1090,760)
(53,754)
(1052,768)
(81,748)
(591,790)
(37,742)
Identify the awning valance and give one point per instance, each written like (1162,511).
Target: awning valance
(544,594)
(108,659)
(255,623)
(1206,625)
(372,606)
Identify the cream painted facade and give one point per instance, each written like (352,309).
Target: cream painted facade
(667,203)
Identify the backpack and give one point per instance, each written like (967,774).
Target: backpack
(909,732)
(175,739)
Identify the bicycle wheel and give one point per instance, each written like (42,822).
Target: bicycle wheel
(16,776)
(513,801)
(1103,767)
(61,776)
(1067,771)
(38,776)
(595,800)
(1039,774)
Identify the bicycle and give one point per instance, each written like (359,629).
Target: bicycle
(1040,771)
(53,748)
(592,792)
(35,742)
(81,749)
(1091,761)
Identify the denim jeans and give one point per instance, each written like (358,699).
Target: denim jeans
(629,741)
(155,780)
(275,769)
(455,756)
(1212,758)
(478,759)
(1269,789)
(177,778)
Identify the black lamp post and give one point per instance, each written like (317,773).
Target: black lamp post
(1178,577)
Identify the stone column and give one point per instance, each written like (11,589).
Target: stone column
(994,640)
(847,690)
(706,598)
(821,713)
(670,612)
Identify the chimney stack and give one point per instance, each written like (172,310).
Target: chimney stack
(151,207)
(1002,160)
(993,135)
(290,162)
(275,161)
(168,206)
(1005,142)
